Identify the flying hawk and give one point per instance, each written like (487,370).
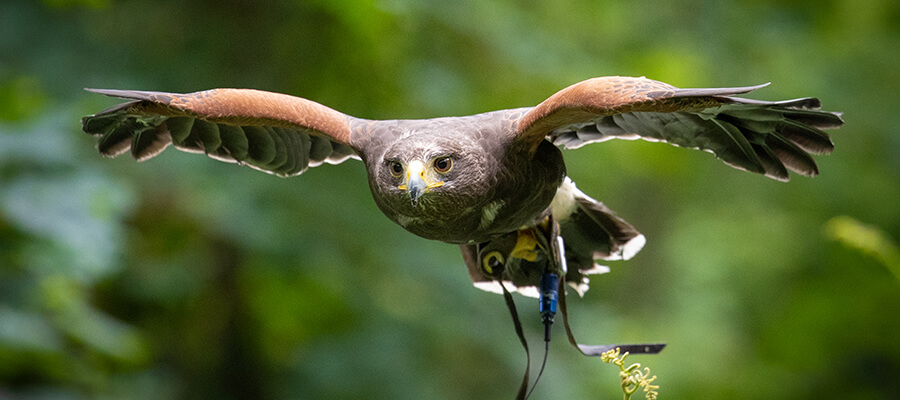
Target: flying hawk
(485,182)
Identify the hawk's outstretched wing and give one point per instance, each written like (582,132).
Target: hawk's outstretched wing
(769,138)
(275,133)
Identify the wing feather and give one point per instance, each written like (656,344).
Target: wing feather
(148,141)
(268,131)
(261,150)
(770,162)
(792,156)
(319,150)
(180,128)
(235,144)
(741,151)
(808,138)
(753,135)
(116,140)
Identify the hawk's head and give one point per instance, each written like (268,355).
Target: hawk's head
(428,181)
(425,170)
(460,180)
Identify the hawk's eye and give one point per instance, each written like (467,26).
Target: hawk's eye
(443,164)
(396,168)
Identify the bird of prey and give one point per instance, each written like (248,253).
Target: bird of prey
(485,182)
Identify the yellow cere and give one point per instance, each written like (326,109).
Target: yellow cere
(418,168)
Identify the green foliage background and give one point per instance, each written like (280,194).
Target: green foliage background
(182,277)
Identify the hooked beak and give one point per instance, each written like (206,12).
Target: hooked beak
(416,182)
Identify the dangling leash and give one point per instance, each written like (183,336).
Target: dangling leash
(522,394)
(597,350)
(497,269)
(553,298)
(593,350)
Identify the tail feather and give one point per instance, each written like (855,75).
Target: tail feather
(590,230)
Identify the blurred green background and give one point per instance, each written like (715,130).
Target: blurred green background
(182,277)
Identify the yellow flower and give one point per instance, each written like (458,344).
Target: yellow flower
(633,377)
